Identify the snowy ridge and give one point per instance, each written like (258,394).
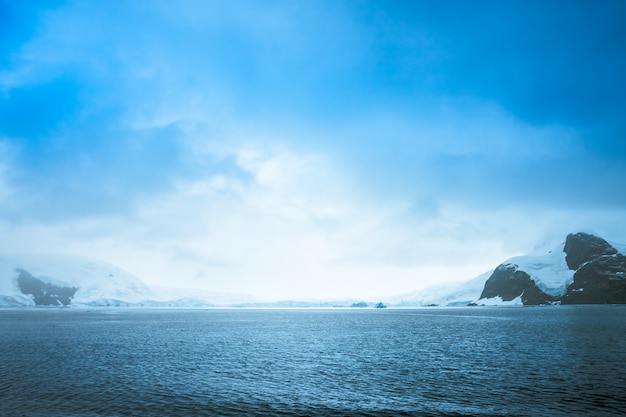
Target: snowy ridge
(545,277)
(98,284)
(445,295)
(546,266)
(549,271)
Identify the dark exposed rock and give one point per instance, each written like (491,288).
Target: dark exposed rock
(44,294)
(583,247)
(380,305)
(508,283)
(599,277)
(600,281)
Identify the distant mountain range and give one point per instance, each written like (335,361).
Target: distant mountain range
(585,269)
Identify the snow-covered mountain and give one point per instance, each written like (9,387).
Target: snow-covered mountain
(585,269)
(30,280)
(445,295)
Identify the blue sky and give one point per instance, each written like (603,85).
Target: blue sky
(310,149)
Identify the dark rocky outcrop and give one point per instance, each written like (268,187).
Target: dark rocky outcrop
(599,277)
(43,293)
(599,281)
(508,283)
(584,247)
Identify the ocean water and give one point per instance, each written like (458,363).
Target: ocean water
(337,362)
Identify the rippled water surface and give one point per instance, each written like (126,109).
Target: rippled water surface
(344,362)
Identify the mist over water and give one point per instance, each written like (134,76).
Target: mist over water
(422,362)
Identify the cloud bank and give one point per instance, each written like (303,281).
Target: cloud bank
(321,150)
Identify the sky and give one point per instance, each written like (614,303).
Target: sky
(310,149)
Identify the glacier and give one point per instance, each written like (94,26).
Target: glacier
(97,283)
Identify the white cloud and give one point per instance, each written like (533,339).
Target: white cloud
(6,152)
(366,205)
(295,228)
(291,224)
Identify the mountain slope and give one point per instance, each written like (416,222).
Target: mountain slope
(55,280)
(585,269)
(600,276)
(28,280)
(444,295)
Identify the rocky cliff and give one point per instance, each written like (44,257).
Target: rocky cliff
(508,282)
(600,276)
(44,293)
(586,269)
